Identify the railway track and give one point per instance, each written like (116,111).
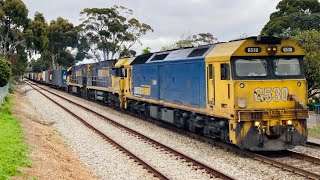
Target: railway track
(312,145)
(273,161)
(196,165)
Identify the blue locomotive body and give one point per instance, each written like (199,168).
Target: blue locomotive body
(178,81)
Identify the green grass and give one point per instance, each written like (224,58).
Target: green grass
(13,151)
(314,132)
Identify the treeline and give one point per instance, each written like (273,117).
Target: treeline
(112,31)
(107,33)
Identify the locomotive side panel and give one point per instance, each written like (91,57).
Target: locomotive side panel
(183,83)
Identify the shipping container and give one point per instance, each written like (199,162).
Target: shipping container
(59,78)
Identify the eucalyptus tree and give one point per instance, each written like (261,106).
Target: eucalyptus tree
(37,34)
(113,31)
(62,36)
(13,22)
(190,40)
(293,16)
(310,41)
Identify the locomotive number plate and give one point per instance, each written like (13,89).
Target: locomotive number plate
(287,49)
(269,94)
(253,50)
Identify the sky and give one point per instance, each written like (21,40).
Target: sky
(171,19)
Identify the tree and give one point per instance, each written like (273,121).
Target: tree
(62,36)
(112,30)
(146,50)
(293,16)
(5,72)
(13,20)
(22,61)
(310,41)
(195,40)
(37,34)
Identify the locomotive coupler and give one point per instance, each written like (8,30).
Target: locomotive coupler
(289,135)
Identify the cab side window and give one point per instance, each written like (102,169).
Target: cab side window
(121,72)
(225,71)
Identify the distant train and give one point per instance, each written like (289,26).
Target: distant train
(54,78)
(249,92)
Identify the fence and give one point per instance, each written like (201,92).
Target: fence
(314,119)
(3,93)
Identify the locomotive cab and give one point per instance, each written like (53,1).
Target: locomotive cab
(265,95)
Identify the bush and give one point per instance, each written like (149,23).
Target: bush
(11,89)
(5,72)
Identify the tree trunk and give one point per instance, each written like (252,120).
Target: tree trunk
(104,55)
(53,62)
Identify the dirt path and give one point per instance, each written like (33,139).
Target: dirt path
(51,157)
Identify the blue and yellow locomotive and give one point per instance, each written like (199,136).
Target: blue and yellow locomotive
(249,92)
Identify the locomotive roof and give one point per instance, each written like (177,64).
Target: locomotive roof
(187,53)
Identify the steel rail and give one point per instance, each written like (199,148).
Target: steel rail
(108,139)
(305,157)
(201,165)
(312,144)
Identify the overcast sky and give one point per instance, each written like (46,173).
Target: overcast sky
(225,19)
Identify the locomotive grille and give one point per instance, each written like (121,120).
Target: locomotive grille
(269,115)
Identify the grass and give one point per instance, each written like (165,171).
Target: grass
(13,151)
(314,132)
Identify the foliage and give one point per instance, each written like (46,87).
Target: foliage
(197,40)
(111,30)
(13,20)
(40,64)
(5,72)
(12,148)
(292,17)
(37,34)
(192,41)
(146,50)
(11,89)
(310,41)
(62,35)
(21,64)
(314,100)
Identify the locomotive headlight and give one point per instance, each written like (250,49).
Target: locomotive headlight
(289,122)
(242,102)
(256,123)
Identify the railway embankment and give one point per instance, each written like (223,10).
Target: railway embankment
(37,148)
(13,150)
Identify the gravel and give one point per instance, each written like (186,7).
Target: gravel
(227,162)
(102,158)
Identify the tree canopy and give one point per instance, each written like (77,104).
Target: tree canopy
(111,30)
(192,41)
(13,21)
(293,16)
(61,35)
(37,34)
(310,41)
